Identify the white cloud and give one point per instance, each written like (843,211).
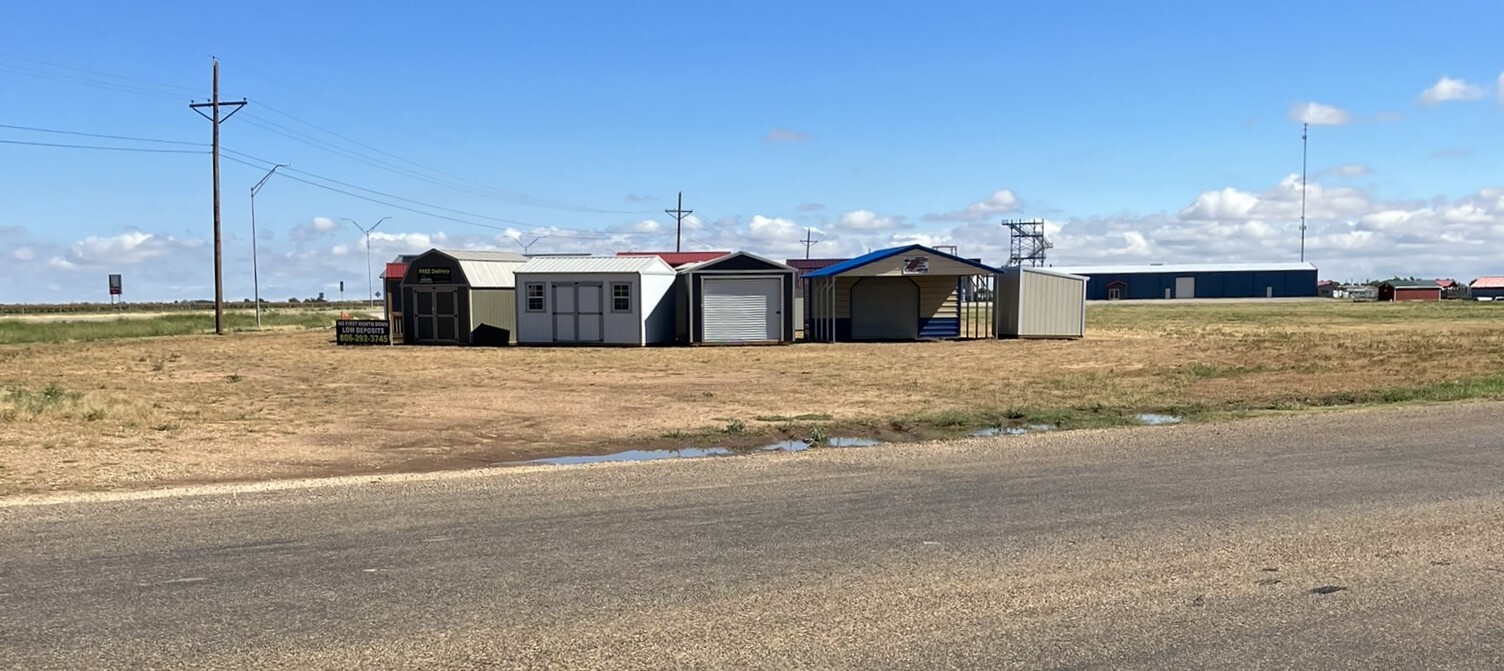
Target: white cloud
(23,254)
(867,221)
(324,224)
(1318,114)
(316,227)
(785,136)
(1448,89)
(61,263)
(1000,202)
(125,249)
(1350,170)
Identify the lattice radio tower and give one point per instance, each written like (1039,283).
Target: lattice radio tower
(1027,244)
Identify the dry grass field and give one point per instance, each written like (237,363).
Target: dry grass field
(139,412)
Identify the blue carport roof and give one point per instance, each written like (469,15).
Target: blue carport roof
(870,257)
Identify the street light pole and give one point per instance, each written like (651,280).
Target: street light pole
(529,246)
(255,269)
(370,286)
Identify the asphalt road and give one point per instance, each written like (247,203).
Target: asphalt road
(1163,547)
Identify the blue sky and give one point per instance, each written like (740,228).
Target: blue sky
(1143,132)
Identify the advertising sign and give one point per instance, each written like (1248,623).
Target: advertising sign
(115,284)
(362,332)
(916,265)
(435,276)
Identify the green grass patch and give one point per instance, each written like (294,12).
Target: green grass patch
(51,397)
(23,331)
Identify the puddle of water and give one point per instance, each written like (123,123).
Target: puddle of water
(1013,430)
(1156,420)
(787,446)
(630,455)
(851,442)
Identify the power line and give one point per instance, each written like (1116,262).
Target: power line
(84,81)
(261,163)
(96,72)
(524,198)
(99,148)
(101,135)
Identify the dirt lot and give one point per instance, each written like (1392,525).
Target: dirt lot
(130,413)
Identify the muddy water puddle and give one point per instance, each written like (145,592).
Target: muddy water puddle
(689,452)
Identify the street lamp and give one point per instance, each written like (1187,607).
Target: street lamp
(370,286)
(255,270)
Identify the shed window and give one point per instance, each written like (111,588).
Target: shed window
(621,297)
(534,296)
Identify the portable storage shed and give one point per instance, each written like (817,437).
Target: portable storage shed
(902,293)
(1040,303)
(596,300)
(460,297)
(1410,291)
(739,298)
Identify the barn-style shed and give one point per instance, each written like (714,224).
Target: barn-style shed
(903,293)
(460,297)
(1040,303)
(595,300)
(738,298)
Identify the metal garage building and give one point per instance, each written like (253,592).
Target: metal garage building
(1410,291)
(1040,303)
(460,297)
(903,293)
(1491,288)
(738,298)
(595,300)
(1218,280)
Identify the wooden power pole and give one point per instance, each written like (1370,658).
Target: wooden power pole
(809,241)
(679,213)
(214,119)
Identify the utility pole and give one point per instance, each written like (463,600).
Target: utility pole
(679,213)
(808,241)
(1304,132)
(219,276)
(370,285)
(255,269)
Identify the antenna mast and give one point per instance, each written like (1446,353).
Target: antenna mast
(1304,132)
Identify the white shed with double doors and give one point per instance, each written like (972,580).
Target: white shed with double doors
(595,300)
(739,298)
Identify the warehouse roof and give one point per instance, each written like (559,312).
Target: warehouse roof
(837,269)
(807,265)
(646,265)
(679,259)
(1183,268)
(1488,283)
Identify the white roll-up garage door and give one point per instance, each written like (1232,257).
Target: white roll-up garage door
(885,308)
(742,309)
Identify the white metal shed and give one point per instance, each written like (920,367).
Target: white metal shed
(595,300)
(1040,303)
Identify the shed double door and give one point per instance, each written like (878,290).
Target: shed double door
(578,313)
(885,308)
(742,309)
(436,312)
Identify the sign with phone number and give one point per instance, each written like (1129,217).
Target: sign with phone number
(362,332)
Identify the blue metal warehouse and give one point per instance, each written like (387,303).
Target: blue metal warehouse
(1227,280)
